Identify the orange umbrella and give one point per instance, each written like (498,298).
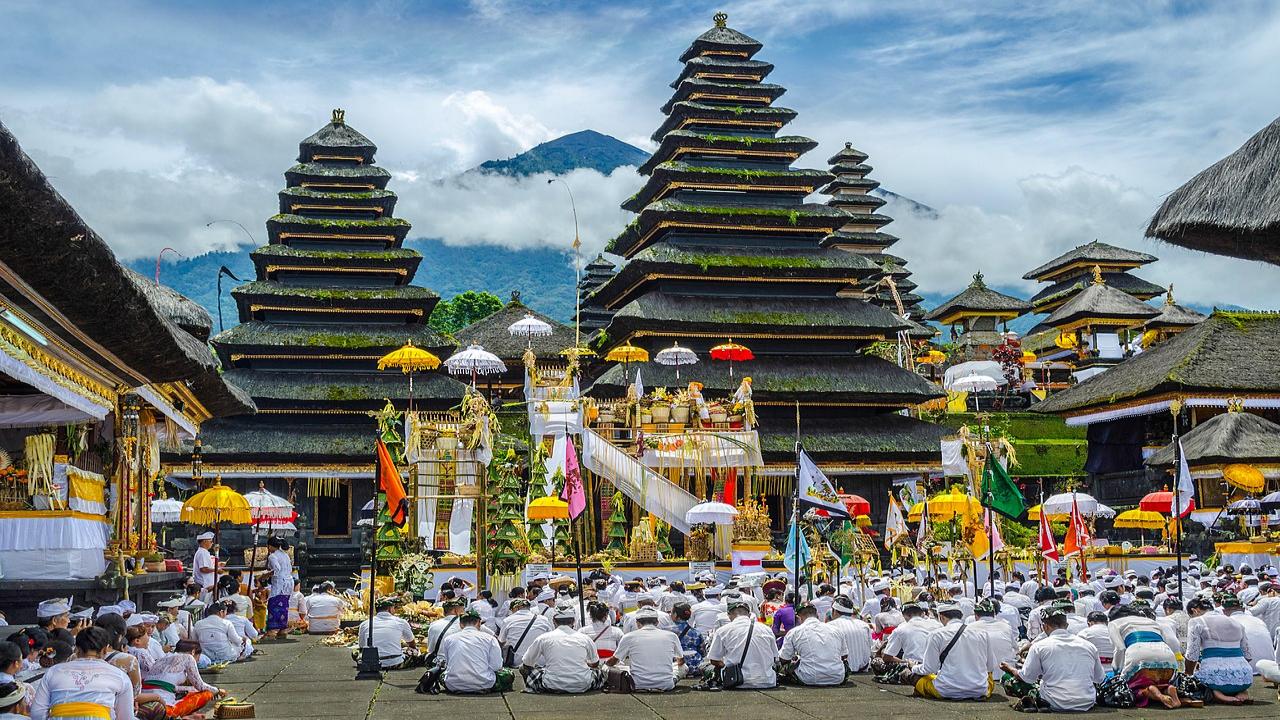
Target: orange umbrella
(732,351)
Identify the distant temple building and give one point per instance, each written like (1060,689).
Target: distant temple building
(596,273)
(725,248)
(1173,319)
(493,334)
(333,294)
(1101,324)
(978,317)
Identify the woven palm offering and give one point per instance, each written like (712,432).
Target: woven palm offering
(697,545)
(230,709)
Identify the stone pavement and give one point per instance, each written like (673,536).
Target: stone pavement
(303,679)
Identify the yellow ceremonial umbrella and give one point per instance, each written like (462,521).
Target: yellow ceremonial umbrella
(1028,356)
(862,521)
(946,506)
(933,357)
(578,351)
(627,354)
(548,508)
(213,506)
(1138,519)
(409,359)
(1033,514)
(1245,477)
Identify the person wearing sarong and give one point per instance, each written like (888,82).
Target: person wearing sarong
(178,669)
(86,688)
(280,588)
(1146,654)
(1218,652)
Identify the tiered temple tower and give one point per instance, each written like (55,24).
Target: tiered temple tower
(596,273)
(851,191)
(332,295)
(726,248)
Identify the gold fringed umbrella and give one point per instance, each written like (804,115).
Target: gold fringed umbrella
(213,506)
(1138,519)
(627,354)
(409,359)
(1245,477)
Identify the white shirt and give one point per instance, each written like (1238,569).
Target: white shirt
(514,626)
(1100,638)
(820,648)
(281,568)
(970,662)
(1268,609)
(566,657)
(203,558)
(1257,637)
(388,632)
(1010,615)
(297,607)
(243,626)
(728,641)
(664,622)
(324,612)
(92,681)
(440,629)
(219,639)
(472,658)
(909,639)
(1068,670)
(705,616)
(1017,600)
(857,641)
(1003,642)
(604,634)
(650,652)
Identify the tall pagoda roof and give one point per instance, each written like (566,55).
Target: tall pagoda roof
(1087,255)
(740,317)
(494,335)
(1232,437)
(1101,302)
(1230,352)
(1064,289)
(848,155)
(978,299)
(336,140)
(722,40)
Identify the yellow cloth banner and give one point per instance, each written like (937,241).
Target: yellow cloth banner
(86,487)
(79,710)
(49,515)
(957,401)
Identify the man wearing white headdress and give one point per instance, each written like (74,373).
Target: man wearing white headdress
(204,567)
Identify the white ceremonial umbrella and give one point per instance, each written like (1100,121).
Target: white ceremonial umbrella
(1271,501)
(475,360)
(267,508)
(974,383)
(716,513)
(166,510)
(1106,512)
(989,368)
(1060,504)
(676,356)
(529,327)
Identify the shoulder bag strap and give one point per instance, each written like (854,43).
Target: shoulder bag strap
(602,632)
(747,645)
(942,657)
(525,634)
(440,637)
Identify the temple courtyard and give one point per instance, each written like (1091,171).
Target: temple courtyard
(304,679)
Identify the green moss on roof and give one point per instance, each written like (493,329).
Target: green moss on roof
(738,109)
(339,171)
(310,193)
(406,292)
(679,166)
(292,252)
(329,222)
(707,260)
(339,337)
(793,214)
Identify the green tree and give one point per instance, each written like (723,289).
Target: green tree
(463,309)
(505,532)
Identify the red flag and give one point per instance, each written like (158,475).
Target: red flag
(1048,548)
(729,495)
(1077,533)
(572,492)
(389,483)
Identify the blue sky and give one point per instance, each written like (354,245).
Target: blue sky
(1032,127)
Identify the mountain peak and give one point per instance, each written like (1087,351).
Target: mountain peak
(582,149)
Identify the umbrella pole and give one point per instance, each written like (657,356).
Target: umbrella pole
(577,561)
(1177,509)
(217,545)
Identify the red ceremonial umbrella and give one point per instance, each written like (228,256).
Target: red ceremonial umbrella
(1162,502)
(733,352)
(856,504)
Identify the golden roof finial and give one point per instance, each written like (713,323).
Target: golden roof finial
(339,117)
(1097,276)
(1168,296)
(721,19)
(1235,404)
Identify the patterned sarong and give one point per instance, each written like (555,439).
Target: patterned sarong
(278,612)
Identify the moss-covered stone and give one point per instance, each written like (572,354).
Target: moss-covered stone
(386,222)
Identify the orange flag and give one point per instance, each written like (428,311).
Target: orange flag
(389,483)
(1077,533)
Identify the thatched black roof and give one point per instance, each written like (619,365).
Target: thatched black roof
(718,65)
(1122,281)
(860,237)
(1232,437)
(687,141)
(980,298)
(792,220)
(1232,207)
(292,199)
(844,379)
(1230,352)
(688,87)
(848,155)
(337,138)
(329,339)
(183,311)
(287,389)
(267,439)
(324,173)
(739,315)
(1098,253)
(1100,300)
(1173,315)
(688,110)
(389,231)
(492,333)
(865,438)
(800,182)
(719,39)
(47,244)
(391,261)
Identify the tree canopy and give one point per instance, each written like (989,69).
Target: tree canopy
(463,309)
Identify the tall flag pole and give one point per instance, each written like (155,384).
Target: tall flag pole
(1184,479)
(1001,494)
(795,508)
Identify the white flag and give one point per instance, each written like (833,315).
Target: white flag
(817,492)
(639,385)
(895,526)
(922,532)
(1186,490)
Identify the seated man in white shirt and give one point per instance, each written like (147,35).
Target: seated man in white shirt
(325,610)
(746,643)
(855,632)
(1063,668)
(905,647)
(812,652)
(1098,634)
(1003,639)
(652,655)
(957,665)
(563,660)
(520,628)
(473,660)
(397,648)
(445,626)
(218,637)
